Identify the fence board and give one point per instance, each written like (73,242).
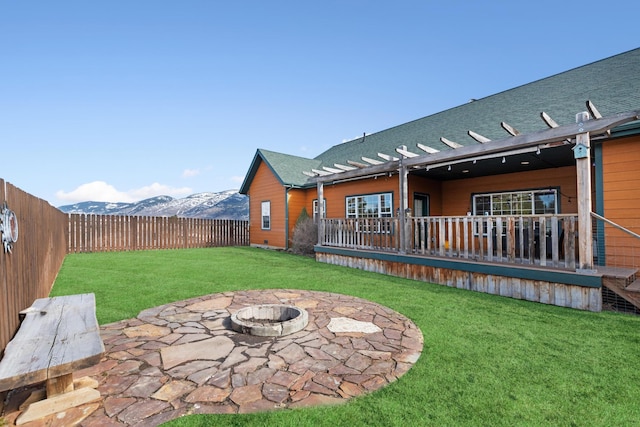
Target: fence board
(105,233)
(28,272)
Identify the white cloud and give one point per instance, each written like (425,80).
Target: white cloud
(237,178)
(187,173)
(156,189)
(100,191)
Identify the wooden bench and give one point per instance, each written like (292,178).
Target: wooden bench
(57,337)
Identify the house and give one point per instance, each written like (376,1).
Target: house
(531,193)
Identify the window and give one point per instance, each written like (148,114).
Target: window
(369,206)
(532,202)
(266,215)
(315,209)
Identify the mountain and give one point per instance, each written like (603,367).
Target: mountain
(223,205)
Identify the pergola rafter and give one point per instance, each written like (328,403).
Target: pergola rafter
(427,149)
(510,129)
(451,144)
(481,139)
(387,157)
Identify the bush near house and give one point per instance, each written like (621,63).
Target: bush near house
(305,234)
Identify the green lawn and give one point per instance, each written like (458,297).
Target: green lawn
(487,360)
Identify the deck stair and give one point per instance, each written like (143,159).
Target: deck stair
(624,282)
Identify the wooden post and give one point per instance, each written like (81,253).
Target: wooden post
(583,171)
(321,213)
(404,190)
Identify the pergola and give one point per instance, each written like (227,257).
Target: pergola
(564,143)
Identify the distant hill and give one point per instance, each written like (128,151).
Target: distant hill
(223,205)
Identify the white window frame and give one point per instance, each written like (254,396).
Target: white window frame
(383,205)
(514,203)
(315,209)
(265,218)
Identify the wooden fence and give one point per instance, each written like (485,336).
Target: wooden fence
(105,233)
(29,270)
(46,235)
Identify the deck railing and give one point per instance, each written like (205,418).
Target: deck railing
(544,240)
(622,240)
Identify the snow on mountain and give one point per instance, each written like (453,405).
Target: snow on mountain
(223,205)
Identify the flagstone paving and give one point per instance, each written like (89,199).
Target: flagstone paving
(184,358)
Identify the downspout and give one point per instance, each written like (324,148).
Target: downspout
(286,217)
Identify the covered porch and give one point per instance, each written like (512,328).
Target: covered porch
(549,258)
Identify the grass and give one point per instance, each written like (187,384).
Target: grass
(487,360)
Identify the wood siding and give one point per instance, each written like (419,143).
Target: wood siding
(452,198)
(433,189)
(297,200)
(456,194)
(336,194)
(621,200)
(28,272)
(265,187)
(545,292)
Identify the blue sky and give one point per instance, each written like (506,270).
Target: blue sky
(124,100)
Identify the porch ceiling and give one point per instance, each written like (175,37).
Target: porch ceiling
(554,157)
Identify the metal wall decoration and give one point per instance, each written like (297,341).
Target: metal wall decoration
(8,227)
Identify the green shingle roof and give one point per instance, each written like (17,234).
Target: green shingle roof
(286,168)
(612,84)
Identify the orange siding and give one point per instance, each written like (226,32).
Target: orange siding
(621,197)
(336,194)
(297,200)
(433,188)
(265,187)
(456,195)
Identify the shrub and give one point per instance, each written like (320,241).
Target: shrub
(305,234)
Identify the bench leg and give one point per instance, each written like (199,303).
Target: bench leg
(59,385)
(84,392)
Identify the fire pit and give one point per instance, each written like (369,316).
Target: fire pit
(269,320)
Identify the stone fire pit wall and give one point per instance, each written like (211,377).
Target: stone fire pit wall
(269,320)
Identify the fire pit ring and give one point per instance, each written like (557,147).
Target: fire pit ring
(269,320)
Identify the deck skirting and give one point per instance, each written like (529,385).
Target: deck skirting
(560,288)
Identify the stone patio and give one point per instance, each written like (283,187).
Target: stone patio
(184,358)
